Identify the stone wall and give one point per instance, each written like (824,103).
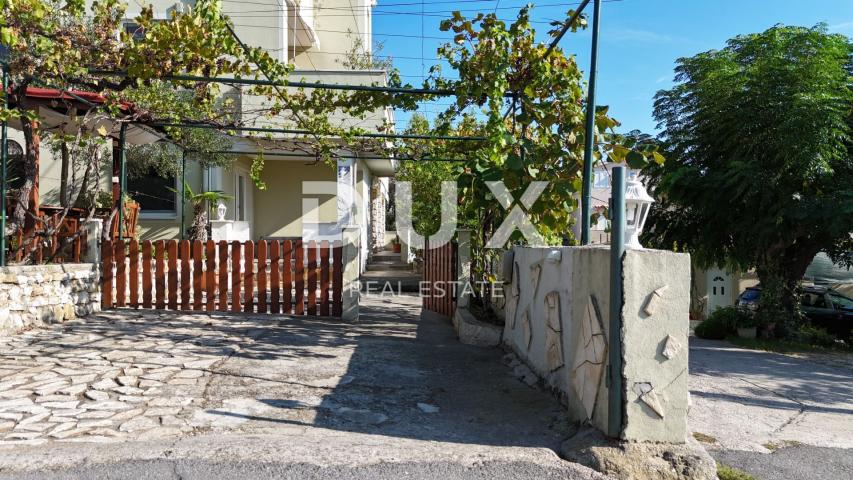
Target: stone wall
(378,206)
(42,294)
(557,322)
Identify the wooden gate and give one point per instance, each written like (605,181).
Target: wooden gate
(276,277)
(439,278)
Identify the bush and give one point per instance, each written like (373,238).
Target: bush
(815,336)
(721,323)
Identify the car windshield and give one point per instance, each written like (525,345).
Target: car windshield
(841,302)
(750,294)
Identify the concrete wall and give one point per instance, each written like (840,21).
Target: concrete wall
(557,321)
(41,294)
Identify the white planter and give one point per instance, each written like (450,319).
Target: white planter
(748,332)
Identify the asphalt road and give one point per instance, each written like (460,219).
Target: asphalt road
(792,463)
(203,470)
(777,417)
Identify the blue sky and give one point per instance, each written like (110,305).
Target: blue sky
(640,39)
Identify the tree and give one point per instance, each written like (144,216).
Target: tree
(759,171)
(201,202)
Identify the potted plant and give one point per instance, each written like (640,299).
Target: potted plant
(395,244)
(747,326)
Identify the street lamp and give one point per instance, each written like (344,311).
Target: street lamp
(638,202)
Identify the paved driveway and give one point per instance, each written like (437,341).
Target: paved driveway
(747,404)
(144,392)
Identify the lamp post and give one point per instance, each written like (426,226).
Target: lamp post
(638,202)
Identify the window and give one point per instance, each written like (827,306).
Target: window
(15,164)
(154,193)
(134,30)
(601,179)
(241,198)
(840,302)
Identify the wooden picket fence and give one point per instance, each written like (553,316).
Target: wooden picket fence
(272,277)
(439,278)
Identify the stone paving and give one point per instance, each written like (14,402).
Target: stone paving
(110,377)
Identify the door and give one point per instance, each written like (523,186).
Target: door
(243,199)
(719,289)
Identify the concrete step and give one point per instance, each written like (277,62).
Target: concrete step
(386,254)
(396,267)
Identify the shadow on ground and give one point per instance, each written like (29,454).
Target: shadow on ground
(395,373)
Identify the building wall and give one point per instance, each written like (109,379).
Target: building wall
(278,210)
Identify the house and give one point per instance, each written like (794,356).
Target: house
(315,37)
(711,288)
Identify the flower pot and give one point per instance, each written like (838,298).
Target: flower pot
(398,247)
(748,332)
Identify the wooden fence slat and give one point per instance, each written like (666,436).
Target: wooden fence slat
(186,279)
(324,278)
(210,276)
(223,276)
(337,279)
(249,283)
(172,286)
(107,275)
(236,276)
(425,296)
(287,264)
(133,250)
(198,274)
(312,278)
(160,279)
(275,276)
(262,276)
(119,253)
(147,285)
(300,279)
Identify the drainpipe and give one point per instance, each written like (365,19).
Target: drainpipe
(589,141)
(183,191)
(614,350)
(122,185)
(4,146)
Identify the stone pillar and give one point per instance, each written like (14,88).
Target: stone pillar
(405,249)
(94,230)
(463,268)
(351,294)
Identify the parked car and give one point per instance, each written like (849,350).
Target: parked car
(823,307)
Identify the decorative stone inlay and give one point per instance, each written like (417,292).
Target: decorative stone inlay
(590,355)
(535,273)
(671,348)
(515,294)
(525,327)
(647,395)
(654,300)
(554,331)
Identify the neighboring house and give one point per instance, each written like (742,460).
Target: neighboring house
(314,36)
(713,288)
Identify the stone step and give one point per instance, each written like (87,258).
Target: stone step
(396,267)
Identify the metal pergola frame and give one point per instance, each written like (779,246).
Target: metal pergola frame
(616,400)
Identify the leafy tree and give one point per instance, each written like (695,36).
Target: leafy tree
(536,134)
(759,171)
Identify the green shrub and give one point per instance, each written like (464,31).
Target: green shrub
(721,323)
(815,336)
(725,472)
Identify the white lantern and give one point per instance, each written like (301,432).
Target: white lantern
(221,210)
(637,205)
